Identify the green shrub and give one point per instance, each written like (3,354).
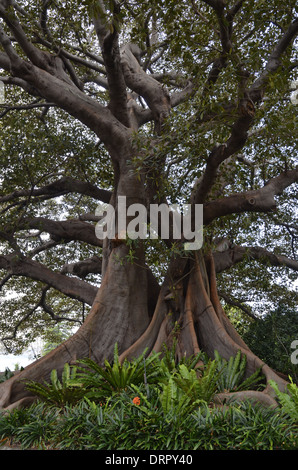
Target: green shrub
(232,372)
(39,428)
(151,403)
(10,423)
(102,382)
(289,399)
(57,392)
(123,423)
(200,384)
(7,374)
(244,426)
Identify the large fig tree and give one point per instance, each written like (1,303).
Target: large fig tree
(160,102)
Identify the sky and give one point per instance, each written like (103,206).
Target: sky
(22,360)
(9,361)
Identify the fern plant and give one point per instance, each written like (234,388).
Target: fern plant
(104,381)
(166,365)
(60,393)
(200,384)
(289,399)
(231,377)
(173,400)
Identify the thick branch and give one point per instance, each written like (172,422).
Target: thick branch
(46,73)
(83,268)
(236,254)
(116,82)
(144,85)
(246,108)
(73,288)
(19,82)
(63,186)
(36,56)
(274,61)
(111,55)
(66,230)
(260,200)
(220,153)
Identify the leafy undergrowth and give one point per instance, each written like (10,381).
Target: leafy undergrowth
(151,404)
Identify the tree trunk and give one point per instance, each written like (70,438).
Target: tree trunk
(187,308)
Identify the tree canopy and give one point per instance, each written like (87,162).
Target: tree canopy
(169,102)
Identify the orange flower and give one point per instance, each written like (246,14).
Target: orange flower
(136,401)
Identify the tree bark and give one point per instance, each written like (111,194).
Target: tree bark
(187,308)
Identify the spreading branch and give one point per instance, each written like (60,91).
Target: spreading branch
(111,55)
(260,200)
(64,185)
(66,230)
(246,109)
(236,254)
(69,286)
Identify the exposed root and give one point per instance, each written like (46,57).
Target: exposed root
(205,326)
(251,395)
(190,313)
(156,332)
(22,403)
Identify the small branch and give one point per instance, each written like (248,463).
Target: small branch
(33,105)
(73,58)
(40,304)
(5,280)
(21,83)
(19,323)
(236,303)
(46,307)
(67,230)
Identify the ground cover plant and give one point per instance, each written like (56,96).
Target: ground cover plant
(173,406)
(121,107)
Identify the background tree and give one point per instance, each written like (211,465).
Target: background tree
(271,339)
(161,102)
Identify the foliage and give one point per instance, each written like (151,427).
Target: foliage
(174,379)
(123,425)
(172,409)
(181,37)
(55,336)
(7,374)
(231,378)
(270,338)
(182,384)
(57,392)
(288,399)
(199,384)
(113,377)
(246,427)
